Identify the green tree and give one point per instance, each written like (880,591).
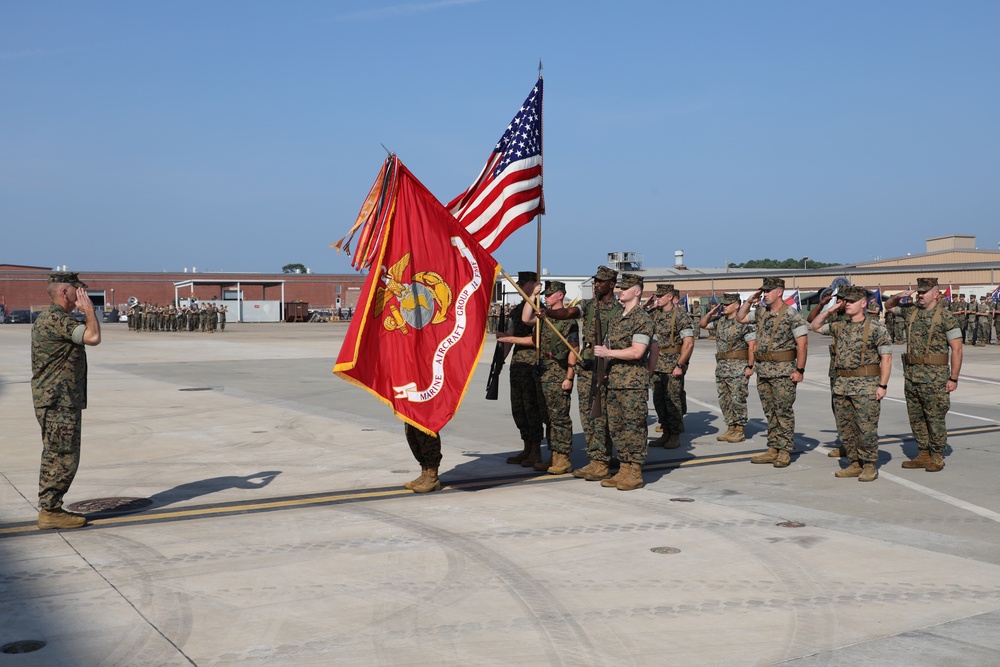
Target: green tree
(782,264)
(293,268)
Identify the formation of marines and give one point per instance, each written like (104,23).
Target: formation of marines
(620,350)
(977,319)
(207,318)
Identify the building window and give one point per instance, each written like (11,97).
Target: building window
(338,289)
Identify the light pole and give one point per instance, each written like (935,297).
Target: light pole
(804,260)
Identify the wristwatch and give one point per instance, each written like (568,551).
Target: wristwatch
(801,371)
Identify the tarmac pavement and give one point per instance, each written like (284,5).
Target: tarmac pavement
(268,526)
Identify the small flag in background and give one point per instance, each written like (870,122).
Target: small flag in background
(508,192)
(996,295)
(947,294)
(793,300)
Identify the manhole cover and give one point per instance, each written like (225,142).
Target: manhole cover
(22,647)
(195,389)
(791,524)
(682,500)
(665,550)
(110,505)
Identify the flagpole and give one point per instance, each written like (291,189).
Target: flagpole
(528,300)
(538,238)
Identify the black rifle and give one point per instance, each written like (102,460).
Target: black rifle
(599,377)
(499,356)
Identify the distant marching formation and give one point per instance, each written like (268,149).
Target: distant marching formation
(152,317)
(614,349)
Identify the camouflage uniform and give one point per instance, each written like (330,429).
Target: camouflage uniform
(776,334)
(925,373)
(956,307)
(858,347)
(668,391)
(525,389)
(731,353)
(556,402)
(985,315)
(224,309)
(59,394)
(899,325)
(426,448)
(628,386)
(595,430)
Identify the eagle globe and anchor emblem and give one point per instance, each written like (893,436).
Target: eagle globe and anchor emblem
(425,300)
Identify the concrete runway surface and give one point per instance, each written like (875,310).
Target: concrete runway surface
(269,526)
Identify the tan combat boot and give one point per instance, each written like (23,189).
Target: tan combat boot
(673,442)
(853,470)
(837,453)
(633,480)
(560,464)
(868,473)
(60,518)
(921,461)
(409,485)
(619,476)
(594,471)
(770,456)
(658,429)
(936,463)
(523,455)
(784,458)
(724,437)
(737,435)
(429,483)
(661,441)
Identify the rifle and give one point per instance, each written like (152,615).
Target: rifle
(599,377)
(499,356)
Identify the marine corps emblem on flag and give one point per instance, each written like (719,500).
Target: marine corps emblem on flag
(423,301)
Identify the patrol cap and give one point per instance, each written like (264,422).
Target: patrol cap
(730,297)
(526,277)
(663,289)
(629,280)
(874,306)
(852,293)
(962,295)
(771,283)
(66,277)
(605,273)
(926,284)
(553,286)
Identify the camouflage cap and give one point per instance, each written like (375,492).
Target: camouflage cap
(605,273)
(852,293)
(66,277)
(961,296)
(526,277)
(771,283)
(629,280)
(730,297)
(663,289)
(926,284)
(553,286)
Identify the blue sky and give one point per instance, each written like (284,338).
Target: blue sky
(242,136)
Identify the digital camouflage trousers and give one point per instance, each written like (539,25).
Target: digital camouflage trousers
(857,425)
(60,453)
(927,403)
(777,398)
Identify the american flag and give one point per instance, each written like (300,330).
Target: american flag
(508,192)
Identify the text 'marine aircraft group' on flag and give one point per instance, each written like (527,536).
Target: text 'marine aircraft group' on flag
(508,192)
(420,324)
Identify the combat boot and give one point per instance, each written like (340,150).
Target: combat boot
(60,518)
(633,479)
(430,482)
(921,460)
(409,485)
(784,458)
(868,473)
(770,456)
(534,456)
(724,437)
(936,463)
(737,435)
(661,441)
(594,471)
(618,478)
(542,464)
(673,442)
(560,464)
(853,470)
(659,428)
(523,455)
(837,453)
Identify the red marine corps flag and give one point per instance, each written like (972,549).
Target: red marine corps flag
(421,319)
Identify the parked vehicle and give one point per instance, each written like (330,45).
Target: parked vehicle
(21,317)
